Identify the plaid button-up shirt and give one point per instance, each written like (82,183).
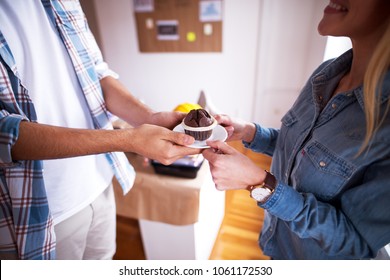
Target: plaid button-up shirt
(26,226)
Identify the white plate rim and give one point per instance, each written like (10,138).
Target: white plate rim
(202,144)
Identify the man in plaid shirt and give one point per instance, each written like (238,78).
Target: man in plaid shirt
(58,151)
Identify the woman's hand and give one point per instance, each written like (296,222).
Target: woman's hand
(230,169)
(237,129)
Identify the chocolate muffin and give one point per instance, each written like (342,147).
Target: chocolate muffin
(199,124)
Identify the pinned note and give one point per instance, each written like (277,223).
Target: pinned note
(191,37)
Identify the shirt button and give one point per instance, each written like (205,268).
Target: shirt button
(320,98)
(334,106)
(322,164)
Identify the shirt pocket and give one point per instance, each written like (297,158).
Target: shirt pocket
(322,172)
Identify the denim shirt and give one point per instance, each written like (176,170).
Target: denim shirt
(329,203)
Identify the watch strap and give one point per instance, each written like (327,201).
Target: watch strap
(270,181)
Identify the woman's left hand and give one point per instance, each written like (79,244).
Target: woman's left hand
(230,169)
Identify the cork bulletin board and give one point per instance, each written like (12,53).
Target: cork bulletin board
(179,25)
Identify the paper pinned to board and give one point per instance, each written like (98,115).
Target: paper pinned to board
(167,30)
(143,6)
(210,10)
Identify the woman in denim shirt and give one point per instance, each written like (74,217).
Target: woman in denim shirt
(329,195)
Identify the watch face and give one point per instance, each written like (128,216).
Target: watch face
(260,194)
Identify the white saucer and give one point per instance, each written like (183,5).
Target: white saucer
(219,133)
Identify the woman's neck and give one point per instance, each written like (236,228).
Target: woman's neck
(362,52)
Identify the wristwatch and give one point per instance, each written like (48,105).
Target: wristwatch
(262,192)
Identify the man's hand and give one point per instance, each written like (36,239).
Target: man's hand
(167,119)
(160,143)
(39,142)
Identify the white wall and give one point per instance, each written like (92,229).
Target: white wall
(163,80)
(269,49)
(290,48)
(335,46)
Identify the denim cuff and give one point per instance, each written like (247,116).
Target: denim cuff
(285,203)
(264,140)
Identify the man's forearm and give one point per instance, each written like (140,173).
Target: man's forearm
(38,141)
(123,104)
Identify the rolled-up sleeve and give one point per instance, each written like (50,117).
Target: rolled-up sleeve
(9,132)
(101,66)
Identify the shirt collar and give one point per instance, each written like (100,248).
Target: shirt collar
(337,67)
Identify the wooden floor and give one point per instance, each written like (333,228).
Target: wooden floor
(238,235)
